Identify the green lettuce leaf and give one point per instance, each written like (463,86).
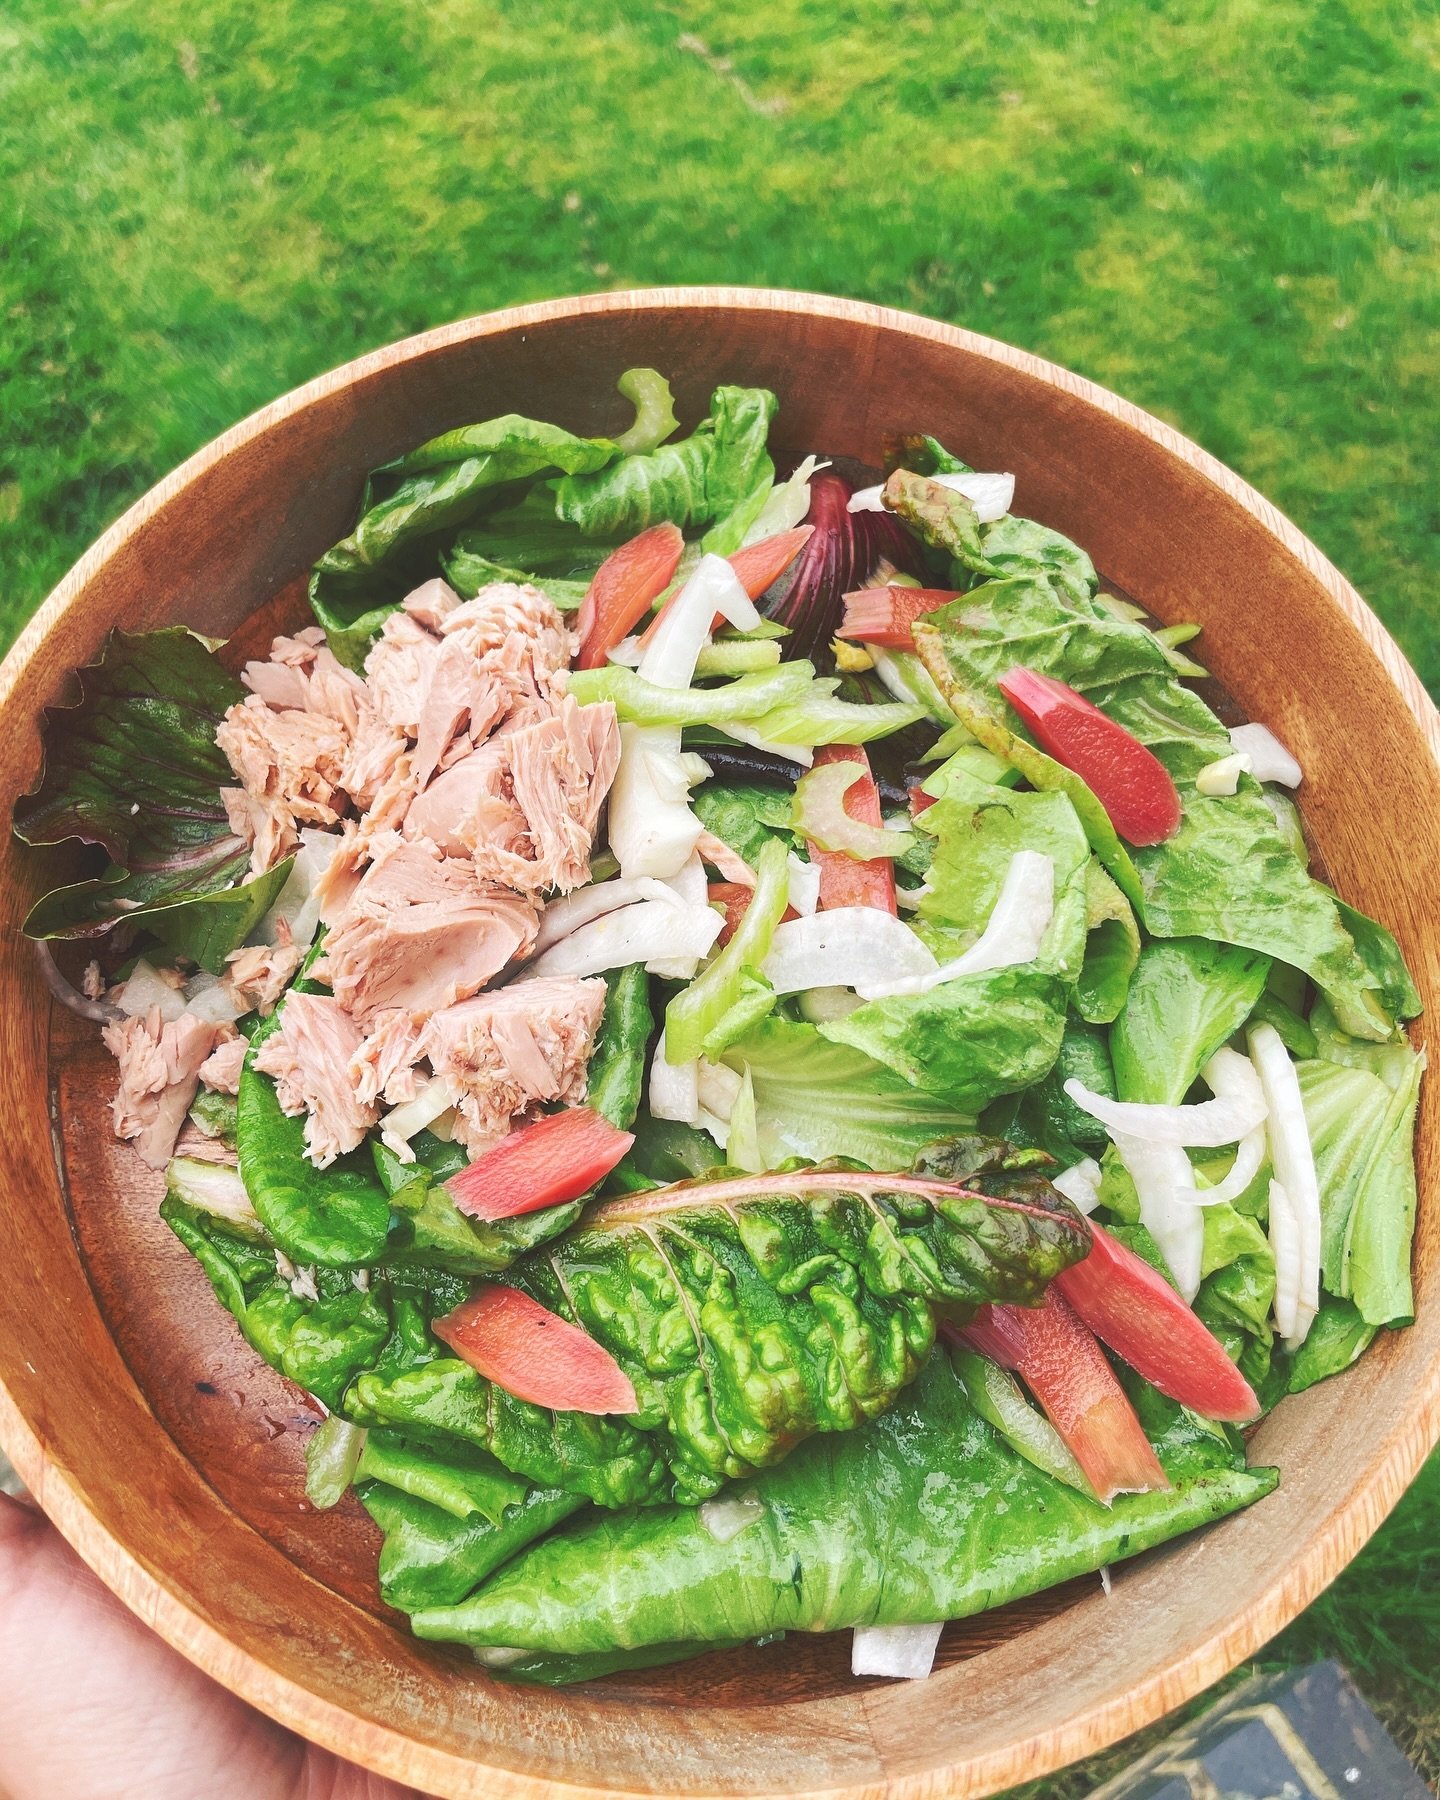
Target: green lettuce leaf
(749,1313)
(1228,874)
(1023,547)
(431,1558)
(616,1076)
(1362,1130)
(977,830)
(413,503)
(1044,1117)
(134,768)
(743,815)
(818,1099)
(720,476)
(970,1040)
(428,1230)
(337,1217)
(926,1514)
(1338,1337)
(1112,948)
(1186,997)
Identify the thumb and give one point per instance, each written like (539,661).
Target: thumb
(95,1707)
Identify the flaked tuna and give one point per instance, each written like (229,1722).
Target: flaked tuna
(290,765)
(514,1049)
(421,932)
(160,1064)
(258,974)
(384,1064)
(220,1071)
(518,632)
(431,602)
(304,675)
(525,805)
(309,1059)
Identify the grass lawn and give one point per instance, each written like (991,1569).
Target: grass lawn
(1228,210)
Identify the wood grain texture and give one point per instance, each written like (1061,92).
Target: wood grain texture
(187,1498)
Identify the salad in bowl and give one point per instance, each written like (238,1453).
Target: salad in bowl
(754,1039)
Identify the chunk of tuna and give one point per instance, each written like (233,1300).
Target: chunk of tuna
(385,1064)
(525,805)
(291,767)
(519,635)
(160,1064)
(431,602)
(421,932)
(514,1049)
(220,1071)
(309,1059)
(258,974)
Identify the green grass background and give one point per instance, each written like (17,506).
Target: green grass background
(1226,209)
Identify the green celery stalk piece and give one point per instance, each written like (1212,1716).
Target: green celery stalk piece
(697,1009)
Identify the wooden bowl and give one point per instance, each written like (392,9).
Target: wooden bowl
(171,1458)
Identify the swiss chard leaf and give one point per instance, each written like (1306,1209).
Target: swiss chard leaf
(1228,874)
(750,1313)
(926,1514)
(134,769)
(320,1344)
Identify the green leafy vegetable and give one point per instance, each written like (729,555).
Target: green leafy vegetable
(970,1040)
(1023,547)
(744,815)
(1338,1338)
(337,1217)
(720,476)
(943,518)
(648,392)
(1186,998)
(749,1313)
(322,1344)
(409,503)
(1362,1130)
(431,1558)
(693,1015)
(926,1514)
(1112,948)
(616,1077)
(814,1098)
(134,768)
(428,1230)
(462,1482)
(1228,874)
(977,831)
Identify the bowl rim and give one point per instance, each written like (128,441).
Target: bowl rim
(390,1752)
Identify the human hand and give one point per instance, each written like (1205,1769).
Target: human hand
(95,1707)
